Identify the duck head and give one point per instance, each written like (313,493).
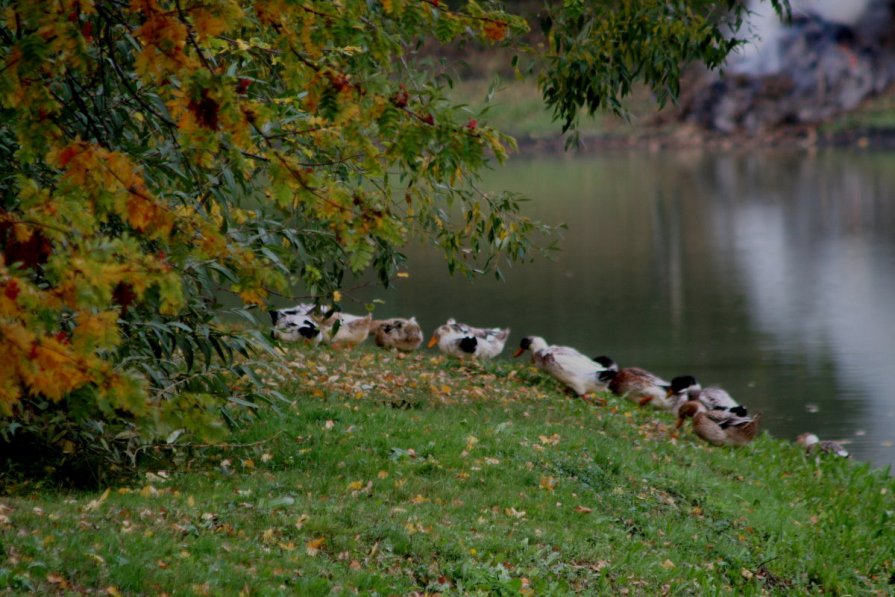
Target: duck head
(682,385)
(532,343)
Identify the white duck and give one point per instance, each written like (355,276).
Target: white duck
(573,369)
(293,326)
(464,341)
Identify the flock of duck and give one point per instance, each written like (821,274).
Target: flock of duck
(716,417)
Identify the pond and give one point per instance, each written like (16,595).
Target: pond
(771,274)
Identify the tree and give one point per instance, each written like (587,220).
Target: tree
(158,152)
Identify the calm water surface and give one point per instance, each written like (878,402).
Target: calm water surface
(771,274)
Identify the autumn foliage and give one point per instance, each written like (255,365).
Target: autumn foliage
(161,158)
(159,155)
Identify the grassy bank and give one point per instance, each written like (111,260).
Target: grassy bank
(518,110)
(392,475)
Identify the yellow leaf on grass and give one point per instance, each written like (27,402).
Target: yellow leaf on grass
(548,483)
(94,504)
(313,546)
(355,485)
(583,509)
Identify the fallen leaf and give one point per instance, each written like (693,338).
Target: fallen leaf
(313,546)
(668,565)
(514,513)
(94,504)
(583,509)
(548,483)
(549,440)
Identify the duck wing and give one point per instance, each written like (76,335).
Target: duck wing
(715,398)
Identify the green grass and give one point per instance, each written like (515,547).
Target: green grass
(518,109)
(391,475)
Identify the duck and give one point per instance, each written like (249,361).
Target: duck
(293,326)
(636,384)
(571,368)
(812,443)
(464,341)
(717,427)
(685,387)
(399,333)
(343,329)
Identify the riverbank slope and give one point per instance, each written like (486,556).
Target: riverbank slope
(393,475)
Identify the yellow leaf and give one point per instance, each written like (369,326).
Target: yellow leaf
(355,485)
(94,504)
(313,546)
(548,483)
(208,25)
(583,509)
(418,499)
(668,565)
(403,274)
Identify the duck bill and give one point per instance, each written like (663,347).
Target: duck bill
(680,422)
(518,353)
(432,342)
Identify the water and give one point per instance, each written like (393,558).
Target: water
(771,274)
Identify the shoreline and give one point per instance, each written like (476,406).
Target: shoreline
(685,136)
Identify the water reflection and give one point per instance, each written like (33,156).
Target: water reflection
(771,274)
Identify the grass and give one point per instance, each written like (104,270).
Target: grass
(390,476)
(518,109)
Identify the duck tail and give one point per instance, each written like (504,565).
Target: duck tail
(750,429)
